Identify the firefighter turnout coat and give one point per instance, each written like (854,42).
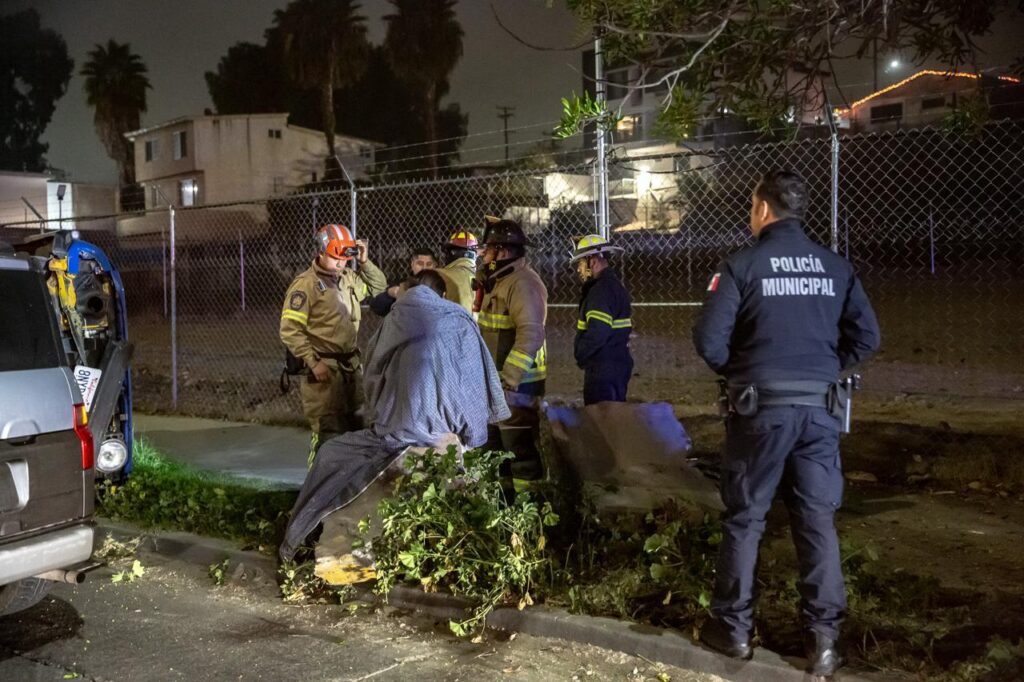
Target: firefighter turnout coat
(458,279)
(512,317)
(604,324)
(321,310)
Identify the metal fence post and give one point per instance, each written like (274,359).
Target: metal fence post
(601,168)
(174,316)
(931,241)
(353,213)
(835,189)
(241,268)
(163,265)
(834,132)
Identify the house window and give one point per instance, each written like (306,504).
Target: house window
(366,152)
(274,133)
(278,184)
(933,102)
(152,150)
(887,112)
(188,191)
(314,177)
(179,141)
(615,84)
(629,128)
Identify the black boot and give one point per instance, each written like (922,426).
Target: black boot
(716,636)
(823,657)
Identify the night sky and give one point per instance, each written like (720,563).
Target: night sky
(179,40)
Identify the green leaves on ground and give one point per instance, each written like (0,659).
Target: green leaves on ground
(131,575)
(218,571)
(456,529)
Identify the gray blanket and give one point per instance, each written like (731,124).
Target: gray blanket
(427,373)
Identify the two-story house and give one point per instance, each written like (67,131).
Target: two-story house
(206,160)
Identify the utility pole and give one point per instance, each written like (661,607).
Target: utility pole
(505,113)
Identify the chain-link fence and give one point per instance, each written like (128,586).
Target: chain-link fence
(934,224)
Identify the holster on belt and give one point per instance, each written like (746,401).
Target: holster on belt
(746,399)
(738,399)
(838,396)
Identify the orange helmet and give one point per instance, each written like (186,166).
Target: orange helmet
(337,242)
(463,239)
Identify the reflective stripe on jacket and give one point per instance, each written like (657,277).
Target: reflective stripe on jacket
(512,318)
(604,324)
(321,310)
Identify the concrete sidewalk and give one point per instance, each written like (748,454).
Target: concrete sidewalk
(271,454)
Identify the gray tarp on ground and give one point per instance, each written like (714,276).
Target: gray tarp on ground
(427,373)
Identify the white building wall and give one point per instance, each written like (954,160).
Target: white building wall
(14,186)
(240,158)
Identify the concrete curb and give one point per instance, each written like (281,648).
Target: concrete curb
(657,644)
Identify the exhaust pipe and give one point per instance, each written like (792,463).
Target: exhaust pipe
(74,576)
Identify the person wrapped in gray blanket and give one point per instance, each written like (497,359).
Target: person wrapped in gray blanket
(427,375)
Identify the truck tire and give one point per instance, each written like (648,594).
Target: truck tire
(23,594)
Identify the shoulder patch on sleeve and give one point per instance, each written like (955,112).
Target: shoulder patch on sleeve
(297,300)
(713,285)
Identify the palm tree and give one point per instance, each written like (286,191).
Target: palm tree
(424,43)
(115,87)
(323,43)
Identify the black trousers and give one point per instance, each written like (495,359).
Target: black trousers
(796,449)
(606,381)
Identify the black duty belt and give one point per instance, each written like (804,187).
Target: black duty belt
(339,356)
(802,393)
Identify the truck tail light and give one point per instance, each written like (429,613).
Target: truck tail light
(84,436)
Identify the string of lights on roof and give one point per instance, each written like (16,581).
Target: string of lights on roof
(926,72)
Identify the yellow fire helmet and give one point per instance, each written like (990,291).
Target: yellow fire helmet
(592,245)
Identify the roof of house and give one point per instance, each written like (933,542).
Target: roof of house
(210,117)
(25,174)
(919,74)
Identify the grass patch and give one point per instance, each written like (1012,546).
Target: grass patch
(162,493)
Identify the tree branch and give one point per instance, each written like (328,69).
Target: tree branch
(533,46)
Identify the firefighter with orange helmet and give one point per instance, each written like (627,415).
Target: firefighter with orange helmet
(512,315)
(319,325)
(460,268)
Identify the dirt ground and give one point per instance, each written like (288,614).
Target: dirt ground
(942,495)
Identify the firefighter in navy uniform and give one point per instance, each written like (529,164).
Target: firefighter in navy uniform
(781,320)
(603,327)
(512,315)
(319,325)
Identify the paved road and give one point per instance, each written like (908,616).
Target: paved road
(173,623)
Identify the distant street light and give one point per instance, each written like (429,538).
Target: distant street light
(61,189)
(894,64)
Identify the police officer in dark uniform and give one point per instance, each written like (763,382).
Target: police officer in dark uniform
(601,347)
(781,320)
